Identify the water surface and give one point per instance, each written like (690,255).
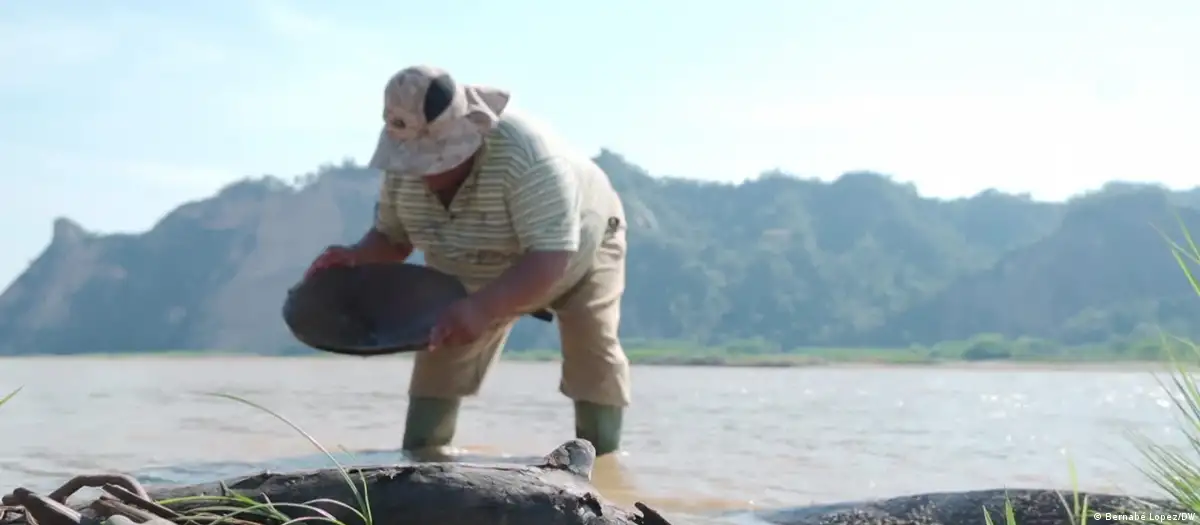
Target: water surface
(697,438)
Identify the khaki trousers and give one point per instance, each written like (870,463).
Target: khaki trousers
(587,305)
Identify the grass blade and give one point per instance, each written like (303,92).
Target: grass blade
(364,511)
(10,395)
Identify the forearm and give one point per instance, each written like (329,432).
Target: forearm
(375,247)
(523,284)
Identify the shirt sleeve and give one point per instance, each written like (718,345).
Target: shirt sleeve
(544,204)
(387,220)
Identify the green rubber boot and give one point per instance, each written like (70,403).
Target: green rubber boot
(430,422)
(599,424)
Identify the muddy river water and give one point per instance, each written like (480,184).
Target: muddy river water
(698,439)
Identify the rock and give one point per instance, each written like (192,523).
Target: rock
(556,491)
(1030,507)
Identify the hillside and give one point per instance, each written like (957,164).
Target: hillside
(1105,271)
(860,260)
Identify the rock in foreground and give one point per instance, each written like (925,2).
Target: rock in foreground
(1030,507)
(558,491)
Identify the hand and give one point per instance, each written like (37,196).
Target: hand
(332,257)
(462,323)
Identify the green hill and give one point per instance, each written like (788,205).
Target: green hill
(779,261)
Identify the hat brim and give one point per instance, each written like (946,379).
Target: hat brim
(426,155)
(370,310)
(452,144)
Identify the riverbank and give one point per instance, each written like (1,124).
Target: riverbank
(982,351)
(998,506)
(866,360)
(676,360)
(554,489)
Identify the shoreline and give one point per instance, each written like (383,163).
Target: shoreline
(682,361)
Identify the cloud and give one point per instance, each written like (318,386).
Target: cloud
(55,43)
(1053,143)
(31,52)
(80,49)
(286,19)
(174,86)
(145,172)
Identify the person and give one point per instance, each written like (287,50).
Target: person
(524,221)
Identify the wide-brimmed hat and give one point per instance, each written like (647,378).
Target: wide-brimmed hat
(437,123)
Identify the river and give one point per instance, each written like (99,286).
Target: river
(697,438)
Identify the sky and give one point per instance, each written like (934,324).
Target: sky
(112,113)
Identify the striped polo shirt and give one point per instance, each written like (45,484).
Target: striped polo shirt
(528,191)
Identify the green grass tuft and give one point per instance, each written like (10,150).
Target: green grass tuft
(1174,470)
(10,395)
(232,506)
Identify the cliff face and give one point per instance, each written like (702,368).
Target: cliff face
(211,274)
(861,260)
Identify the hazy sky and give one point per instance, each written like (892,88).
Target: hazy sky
(112,113)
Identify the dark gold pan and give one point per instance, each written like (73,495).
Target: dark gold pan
(372,309)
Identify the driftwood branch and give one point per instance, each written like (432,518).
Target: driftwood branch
(125,502)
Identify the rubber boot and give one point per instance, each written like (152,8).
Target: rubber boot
(430,422)
(599,424)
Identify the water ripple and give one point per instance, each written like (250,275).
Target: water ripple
(695,437)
